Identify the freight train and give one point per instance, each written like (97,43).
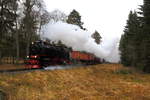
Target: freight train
(43,54)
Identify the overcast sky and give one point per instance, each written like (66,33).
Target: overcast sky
(107,16)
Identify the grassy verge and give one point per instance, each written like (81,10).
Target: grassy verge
(98,82)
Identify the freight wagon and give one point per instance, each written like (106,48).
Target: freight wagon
(82,57)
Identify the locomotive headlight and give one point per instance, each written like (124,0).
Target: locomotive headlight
(34,56)
(27,56)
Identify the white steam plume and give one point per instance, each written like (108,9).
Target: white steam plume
(73,36)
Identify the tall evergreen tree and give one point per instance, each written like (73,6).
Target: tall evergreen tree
(146,37)
(129,43)
(96,36)
(75,18)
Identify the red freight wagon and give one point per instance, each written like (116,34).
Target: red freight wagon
(81,56)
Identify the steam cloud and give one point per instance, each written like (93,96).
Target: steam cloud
(80,40)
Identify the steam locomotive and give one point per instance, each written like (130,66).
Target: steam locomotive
(43,54)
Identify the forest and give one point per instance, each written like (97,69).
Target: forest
(21,23)
(135,42)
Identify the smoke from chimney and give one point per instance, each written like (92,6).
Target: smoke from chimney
(79,40)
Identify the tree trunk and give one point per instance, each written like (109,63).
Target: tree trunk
(28,45)
(17,44)
(0,57)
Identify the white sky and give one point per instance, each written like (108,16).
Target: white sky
(107,16)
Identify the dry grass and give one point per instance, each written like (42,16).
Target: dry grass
(99,82)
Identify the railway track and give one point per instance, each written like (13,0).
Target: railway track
(18,70)
(40,69)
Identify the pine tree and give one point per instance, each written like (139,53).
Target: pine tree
(130,41)
(75,18)
(96,36)
(146,37)
(123,50)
